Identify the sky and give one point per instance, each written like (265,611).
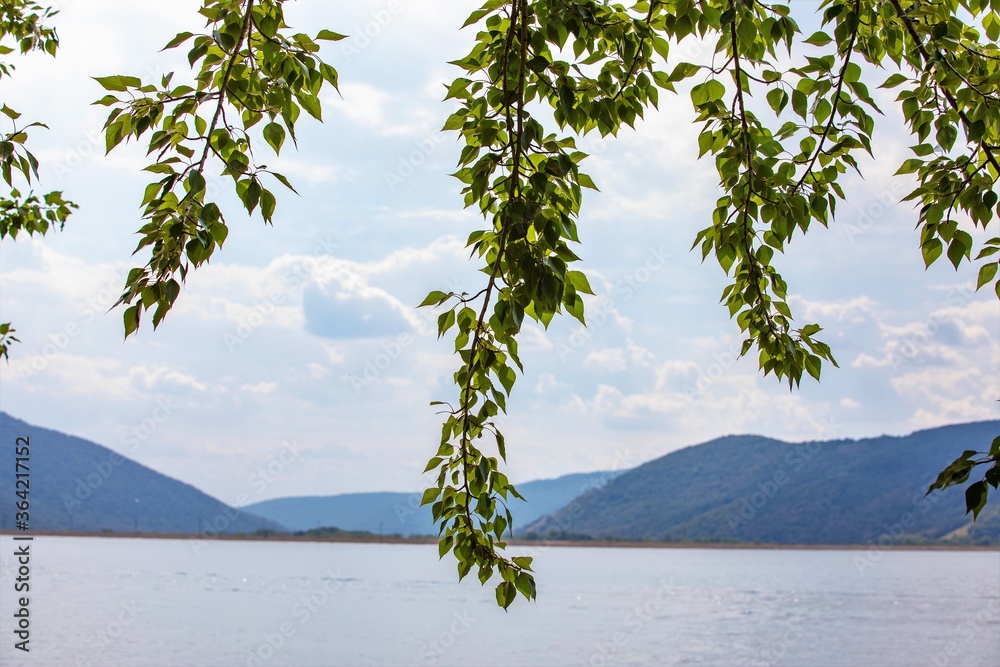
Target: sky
(298,351)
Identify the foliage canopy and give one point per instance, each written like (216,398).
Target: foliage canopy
(783,116)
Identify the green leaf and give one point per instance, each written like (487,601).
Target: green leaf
(975,498)
(284,181)
(523,562)
(710,91)
(195,183)
(777,99)
(454,122)
(506,593)
(893,81)
(274,134)
(524,584)
(311,104)
(993,475)
(445,545)
(131,319)
(579,281)
(957,251)
(330,36)
(178,40)
(986,274)
(430,495)
(267,204)
(976,130)
(818,38)
(434,298)
(586,181)
(799,103)
(116,82)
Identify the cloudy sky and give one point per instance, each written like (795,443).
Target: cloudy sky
(299,347)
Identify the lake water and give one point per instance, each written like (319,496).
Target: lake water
(151,603)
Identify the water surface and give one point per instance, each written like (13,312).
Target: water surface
(156,602)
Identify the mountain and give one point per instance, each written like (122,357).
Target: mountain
(401,513)
(755,489)
(737,488)
(79,485)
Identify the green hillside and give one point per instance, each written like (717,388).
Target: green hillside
(76,484)
(755,489)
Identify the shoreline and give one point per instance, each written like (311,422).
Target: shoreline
(603,544)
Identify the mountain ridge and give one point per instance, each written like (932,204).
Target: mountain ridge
(759,489)
(76,484)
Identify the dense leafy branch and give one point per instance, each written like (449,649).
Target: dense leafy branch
(777,177)
(249,66)
(24,22)
(528,184)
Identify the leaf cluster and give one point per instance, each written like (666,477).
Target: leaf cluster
(526,182)
(961,469)
(253,79)
(783,115)
(24,23)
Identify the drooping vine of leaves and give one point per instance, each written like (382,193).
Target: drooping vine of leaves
(251,70)
(24,22)
(590,65)
(778,174)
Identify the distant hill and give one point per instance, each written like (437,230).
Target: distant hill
(755,489)
(737,488)
(79,485)
(401,513)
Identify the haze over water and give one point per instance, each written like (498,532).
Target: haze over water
(158,602)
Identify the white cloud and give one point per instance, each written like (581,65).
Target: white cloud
(260,388)
(609,359)
(361,103)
